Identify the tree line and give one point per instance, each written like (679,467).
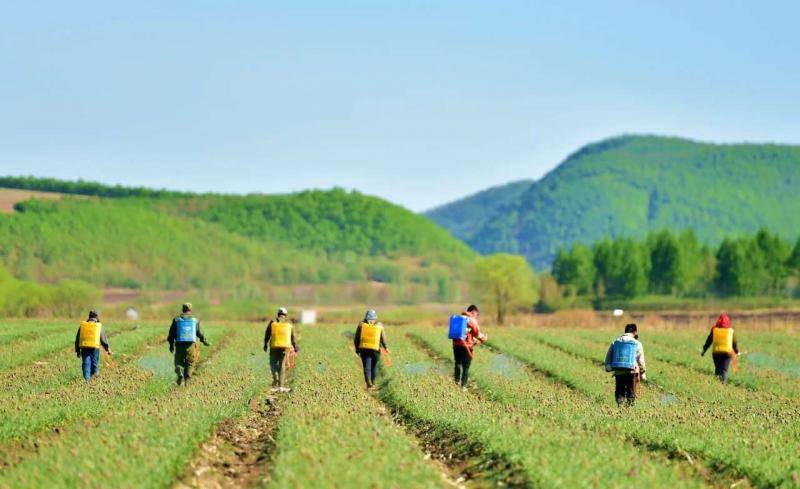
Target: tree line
(677,264)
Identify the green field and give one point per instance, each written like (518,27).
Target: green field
(539,412)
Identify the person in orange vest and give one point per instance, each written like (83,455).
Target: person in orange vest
(725,346)
(279,339)
(369,339)
(463,347)
(90,337)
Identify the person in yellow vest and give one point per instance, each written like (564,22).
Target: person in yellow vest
(279,339)
(725,346)
(90,337)
(369,339)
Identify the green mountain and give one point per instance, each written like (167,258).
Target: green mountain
(629,185)
(144,239)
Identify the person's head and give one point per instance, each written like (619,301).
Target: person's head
(631,328)
(472,311)
(186,308)
(371,316)
(282,313)
(93,314)
(723,321)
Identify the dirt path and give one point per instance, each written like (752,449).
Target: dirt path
(239,451)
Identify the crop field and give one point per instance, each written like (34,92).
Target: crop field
(539,412)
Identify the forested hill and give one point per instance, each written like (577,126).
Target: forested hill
(147,239)
(629,185)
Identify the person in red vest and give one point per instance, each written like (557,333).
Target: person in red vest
(463,350)
(725,346)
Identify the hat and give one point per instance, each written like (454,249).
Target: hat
(371,315)
(187,306)
(282,311)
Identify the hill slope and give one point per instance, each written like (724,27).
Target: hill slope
(137,238)
(633,184)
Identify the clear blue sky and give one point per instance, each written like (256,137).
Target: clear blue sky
(419,102)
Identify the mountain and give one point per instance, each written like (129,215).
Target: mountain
(629,185)
(141,239)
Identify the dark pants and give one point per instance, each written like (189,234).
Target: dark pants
(625,391)
(90,359)
(184,360)
(463,361)
(277,365)
(722,362)
(369,360)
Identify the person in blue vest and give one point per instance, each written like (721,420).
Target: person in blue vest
(182,338)
(625,357)
(464,347)
(90,337)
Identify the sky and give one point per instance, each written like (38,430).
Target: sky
(417,102)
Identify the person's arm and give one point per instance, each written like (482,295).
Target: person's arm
(607,361)
(267,334)
(357,337)
(735,344)
(383,339)
(78,341)
(640,359)
(294,341)
(200,335)
(172,334)
(104,340)
(709,340)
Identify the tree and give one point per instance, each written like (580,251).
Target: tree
(731,274)
(505,282)
(575,270)
(665,263)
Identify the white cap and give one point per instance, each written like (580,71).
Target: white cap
(283,311)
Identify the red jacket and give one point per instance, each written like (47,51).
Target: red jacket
(473,333)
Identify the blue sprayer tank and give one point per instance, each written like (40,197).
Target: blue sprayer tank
(458,327)
(186,330)
(623,354)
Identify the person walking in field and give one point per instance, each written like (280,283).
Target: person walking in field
(370,337)
(465,333)
(182,338)
(90,337)
(279,340)
(625,357)
(725,347)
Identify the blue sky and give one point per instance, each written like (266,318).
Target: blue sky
(418,102)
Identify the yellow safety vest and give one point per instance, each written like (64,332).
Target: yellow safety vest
(281,335)
(722,340)
(90,334)
(370,336)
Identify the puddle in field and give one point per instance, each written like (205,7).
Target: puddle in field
(417,368)
(505,366)
(161,366)
(668,399)
(763,360)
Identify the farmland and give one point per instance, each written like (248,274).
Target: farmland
(539,412)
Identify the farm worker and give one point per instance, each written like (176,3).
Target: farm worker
(182,338)
(369,339)
(463,348)
(90,337)
(279,339)
(725,347)
(625,358)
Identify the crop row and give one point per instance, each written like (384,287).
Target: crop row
(147,430)
(754,433)
(534,428)
(332,433)
(683,349)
